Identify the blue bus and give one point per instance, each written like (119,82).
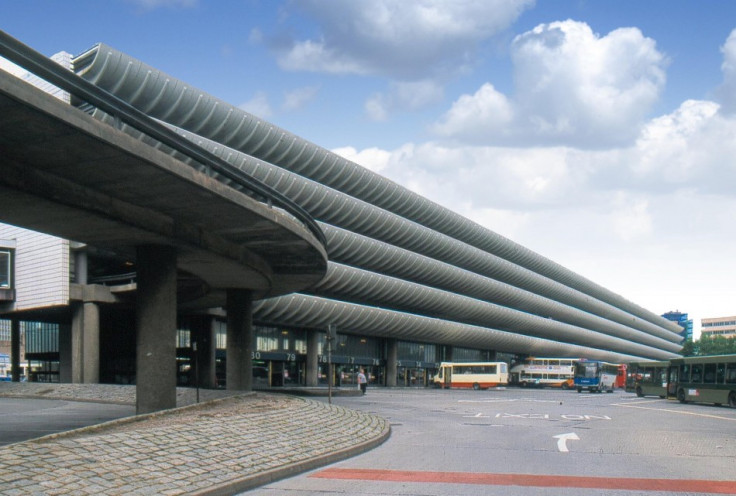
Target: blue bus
(595,376)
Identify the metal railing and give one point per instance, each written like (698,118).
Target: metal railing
(45,68)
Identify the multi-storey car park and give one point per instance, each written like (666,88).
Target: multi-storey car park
(408,284)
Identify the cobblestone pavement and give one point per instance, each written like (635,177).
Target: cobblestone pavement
(221,446)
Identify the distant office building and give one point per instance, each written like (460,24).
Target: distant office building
(719,326)
(683,321)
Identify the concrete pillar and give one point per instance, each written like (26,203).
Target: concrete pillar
(204,333)
(85,345)
(66,362)
(15,349)
(77,344)
(312,357)
(448,353)
(392,362)
(239,362)
(80,266)
(156,329)
(91,344)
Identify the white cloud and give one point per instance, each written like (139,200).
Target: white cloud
(630,218)
(374,159)
(572,87)
(727,91)
(473,116)
(402,40)
(317,56)
(650,210)
(402,97)
(670,147)
(299,97)
(694,147)
(258,106)
(657,211)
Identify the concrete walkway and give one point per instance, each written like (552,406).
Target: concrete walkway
(221,446)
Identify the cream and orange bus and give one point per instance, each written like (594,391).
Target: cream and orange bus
(475,375)
(544,372)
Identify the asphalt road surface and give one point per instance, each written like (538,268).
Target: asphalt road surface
(22,419)
(532,442)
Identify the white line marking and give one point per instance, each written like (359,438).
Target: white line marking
(562,440)
(732,419)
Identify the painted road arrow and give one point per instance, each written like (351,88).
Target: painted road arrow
(562,440)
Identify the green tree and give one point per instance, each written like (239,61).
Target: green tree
(688,348)
(712,345)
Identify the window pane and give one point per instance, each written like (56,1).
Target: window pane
(4,269)
(710,373)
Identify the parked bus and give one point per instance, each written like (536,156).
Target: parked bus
(621,377)
(595,376)
(476,375)
(648,378)
(707,379)
(541,372)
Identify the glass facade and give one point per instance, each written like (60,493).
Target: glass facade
(684,322)
(41,337)
(468,355)
(279,356)
(280,339)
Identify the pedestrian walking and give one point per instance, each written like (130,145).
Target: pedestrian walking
(362,381)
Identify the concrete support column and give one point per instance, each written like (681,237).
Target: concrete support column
(15,349)
(156,329)
(392,362)
(85,345)
(66,362)
(312,357)
(77,344)
(239,362)
(80,266)
(204,333)
(91,344)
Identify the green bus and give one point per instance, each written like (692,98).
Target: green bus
(706,379)
(648,378)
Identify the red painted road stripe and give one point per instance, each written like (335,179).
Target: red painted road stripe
(630,484)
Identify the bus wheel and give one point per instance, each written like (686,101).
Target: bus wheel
(681,396)
(580,390)
(476,386)
(639,392)
(565,386)
(732,399)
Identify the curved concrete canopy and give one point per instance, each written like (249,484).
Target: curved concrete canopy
(66,174)
(173,101)
(310,311)
(376,225)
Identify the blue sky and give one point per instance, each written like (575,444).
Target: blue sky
(598,133)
